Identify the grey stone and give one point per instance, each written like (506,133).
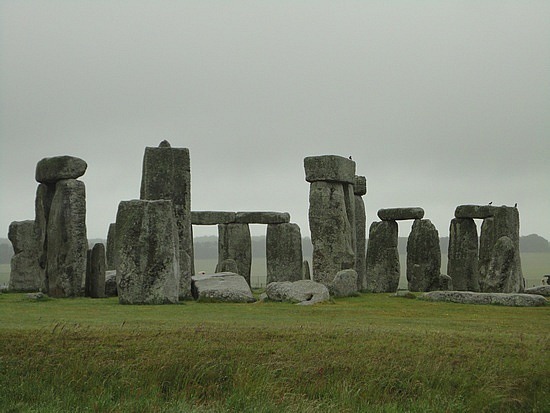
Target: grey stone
(148,259)
(360,243)
(474,211)
(36,296)
(404,294)
(67,243)
(212,217)
(302,292)
(463,257)
(43,203)
(467,297)
(25,273)
(57,168)
(331,230)
(423,257)
(110,251)
(344,284)
(262,217)
(330,168)
(543,290)
(167,175)
(110,283)
(501,276)
(234,243)
(382,262)
(95,275)
(400,214)
(227,265)
(360,185)
(306,272)
(283,253)
(445,283)
(221,287)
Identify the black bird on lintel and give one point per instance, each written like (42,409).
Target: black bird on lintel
(491,203)
(350,158)
(516,205)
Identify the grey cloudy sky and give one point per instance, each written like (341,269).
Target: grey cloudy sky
(440,103)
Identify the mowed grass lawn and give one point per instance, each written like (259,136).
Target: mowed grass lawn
(372,353)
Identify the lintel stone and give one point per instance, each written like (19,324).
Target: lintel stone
(212,217)
(267,217)
(475,211)
(51,170)
(400,214)
(331,168)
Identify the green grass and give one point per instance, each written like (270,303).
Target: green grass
(369,353)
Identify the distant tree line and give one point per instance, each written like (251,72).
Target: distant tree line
(207,247)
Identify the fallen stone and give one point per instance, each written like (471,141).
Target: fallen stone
(255,217)
(474,211)
(382,261)
(302,292)
(467,297)
(543,290)
(224,287)
(344,284)
(330,168)
(212,217)
(283,253)
(57,168)
(423,257)
(110,283)
(36,296)
(400,214)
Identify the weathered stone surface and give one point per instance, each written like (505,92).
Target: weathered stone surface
(445,283)
(474,211)
(303,292)
(344,284)
(360,243)
(360,185)
(67,243)
(306,273)
(222,287)
(463,257)
(212,217)
(110,283)
(43,203)
(423,257)
(502,276)
(262,217)
(331,230)
(110,251)
(382,263)
(467,297)
(330,168)
(228,265)
(147,245)
(400,214)
(283,253)
(95,275)
(543,290)
(234,243)
(167,175)
(25,273)
(57,168)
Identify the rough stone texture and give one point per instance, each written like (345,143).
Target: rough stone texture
(95,276)
(423,257)
(67,243)
(331,230)
(57,168)
(306,273)
(110,283)
(283,253)
(234,243)
(222,287)
(501,276)
(212,217)
(360,185)
(25,273)
(543,290)
(383,270)
(43,203)
(400,214)
(344,284)
(445,283)
(167,175)
(360,243)
(463,257)
(467,297)
(262,217)
(228,265)
(330,168)
(147,244)
(110,252)
(303,292)
(475,211)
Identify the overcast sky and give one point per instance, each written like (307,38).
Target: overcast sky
(440,103)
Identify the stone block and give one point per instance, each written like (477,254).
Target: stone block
(302,292)
(400,214)
(25,272)
(360,185)
(382,261)
(475,211)
(224,287)
(212,217)
(467,297)
(283,253)
(331,168)
(262,217)
(234,243)
(423,257)
(57,168)
(344,284)
(463,263)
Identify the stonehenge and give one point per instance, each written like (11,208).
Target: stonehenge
(359,190)
(95,272)
(25,271)
(382,261)
(423,257)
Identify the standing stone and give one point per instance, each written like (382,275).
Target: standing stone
(111,248)
(283,253)
(306,273)
(234,243)
(382,262)
(148,258)
(95,274)
(462,266)
(360,189)
(25,274)
(43,203)
(167,175)
(502,275)
(66,239)
(423,257)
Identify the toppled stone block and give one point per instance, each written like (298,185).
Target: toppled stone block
(302,292)
(344,284)
(475,211)
(400,214)
(467,297)
(360,185)
(226,287)
(331,168)
(263,217)
(212,217)
(57,168)
(543,290)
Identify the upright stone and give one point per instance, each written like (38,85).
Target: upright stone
(167,175)
(95,282)
(234,243)
(43,203)
(66,239)
(463,262)
(423,257)
(148,259)
(111,248)
(360,189)
(25,273)
(382,263)
(283,253)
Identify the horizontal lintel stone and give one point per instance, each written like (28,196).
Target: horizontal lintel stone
(212,217)
(400,214)
(262,217)
(475,211)
(332,168)
(57,168)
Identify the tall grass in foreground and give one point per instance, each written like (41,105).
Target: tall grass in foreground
(370,353)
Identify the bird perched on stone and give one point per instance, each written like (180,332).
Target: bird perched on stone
(491,203)
(350,158)
(516,205)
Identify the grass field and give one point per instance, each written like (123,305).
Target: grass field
(371,353)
